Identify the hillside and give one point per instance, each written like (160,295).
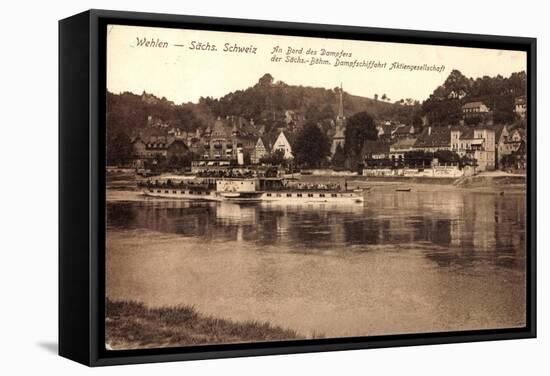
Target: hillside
(270,104)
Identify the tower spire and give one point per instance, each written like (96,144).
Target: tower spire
(341,106)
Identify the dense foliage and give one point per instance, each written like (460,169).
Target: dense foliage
(444,106)
(268,100)
(360,128)
(312,146)
(129,113)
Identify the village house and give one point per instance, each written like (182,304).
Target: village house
(176,149)
(472,109)
(375,151)
(260,151)
(477,143)
(376,158)
(157,148)
(433,139)
(228,138)
(503,146)
(282,144)
(405,131)
(520,106)
(516,138)
(400,147)
(386,130)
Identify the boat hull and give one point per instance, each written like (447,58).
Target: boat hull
(313,197)
(182,194)
(291,197)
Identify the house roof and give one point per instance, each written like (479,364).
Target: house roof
(403,143)
(387,128)
(375,147)
(405,129)
(219,129)
(521,132)
(434,137)
(475,104)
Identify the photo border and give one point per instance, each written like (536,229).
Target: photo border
(98,21)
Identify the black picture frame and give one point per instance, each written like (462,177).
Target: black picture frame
(82,94)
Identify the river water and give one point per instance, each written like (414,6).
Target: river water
(402,262)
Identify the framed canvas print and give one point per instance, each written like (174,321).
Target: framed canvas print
(238,187)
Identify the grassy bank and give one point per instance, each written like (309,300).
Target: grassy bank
(131,325)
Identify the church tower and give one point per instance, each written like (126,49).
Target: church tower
(340,119)
(340,131)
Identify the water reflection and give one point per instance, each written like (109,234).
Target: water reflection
(450,228)
(403,262)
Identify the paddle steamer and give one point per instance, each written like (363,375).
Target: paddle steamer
(248,189)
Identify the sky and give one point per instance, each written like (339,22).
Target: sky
(174,67)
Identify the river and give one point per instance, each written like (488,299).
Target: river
(402,262)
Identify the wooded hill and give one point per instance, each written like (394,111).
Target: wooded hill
(444,106)
(266,103)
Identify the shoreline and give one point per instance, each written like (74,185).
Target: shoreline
(484,183)
(477,184)
(133,325)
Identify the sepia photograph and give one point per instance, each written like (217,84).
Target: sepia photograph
(264,188)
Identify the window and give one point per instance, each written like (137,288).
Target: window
(321,195)
(174,192)
(268,195)
(158,191)
(278,195)
(310,195)
(334,195)
(289,195)
(182,192)
(299,195)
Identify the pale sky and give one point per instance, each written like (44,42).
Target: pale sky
(182,74)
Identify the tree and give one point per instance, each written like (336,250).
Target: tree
(456,85)
(266,80)
(360,127)
(312,113)
(275,158)
(327,113)
(312,146)
(119,149)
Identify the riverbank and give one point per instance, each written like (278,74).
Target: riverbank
(487,183)
(132,325)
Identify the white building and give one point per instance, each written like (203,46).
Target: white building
(477,143)
(282,144)
(260,151)
(474,109)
